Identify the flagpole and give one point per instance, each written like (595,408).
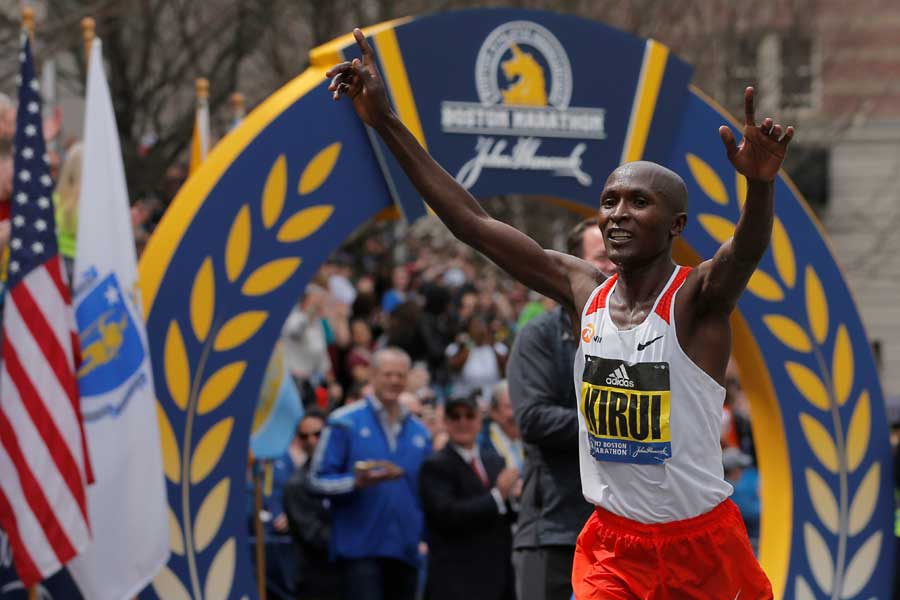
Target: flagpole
(88,26)
(258,529)
(200,138)
(28,22)
(237,108)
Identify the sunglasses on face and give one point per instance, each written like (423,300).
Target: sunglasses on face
(310,435)
(456,416)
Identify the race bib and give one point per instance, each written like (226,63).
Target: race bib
(626,410)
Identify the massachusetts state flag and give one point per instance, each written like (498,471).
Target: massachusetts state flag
(44,467)
(127,504)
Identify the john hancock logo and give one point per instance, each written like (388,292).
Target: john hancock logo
(524,83)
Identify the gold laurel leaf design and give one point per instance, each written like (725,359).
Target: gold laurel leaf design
(220,576)
(176,539)
(270,276)
(763,286)
(167,585)
(304,223)
(788,332)
(168,445)
(203,299)
(816,306)
(740,186)
(865,499)
(275,192)
(719,228)
(809,384)
(219,386)
(822,500)
(707,179)
(239,329)
(178,374)
(858,431)
(211,514)
(820,441)
(210,449)
(802,591)
(318,169)
(819,557)
(237,248)
(783,252)
(842,366)
(861,566)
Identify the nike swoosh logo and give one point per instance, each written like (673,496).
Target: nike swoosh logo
(642,346)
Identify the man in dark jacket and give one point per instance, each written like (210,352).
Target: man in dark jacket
(465,494)
(552,509)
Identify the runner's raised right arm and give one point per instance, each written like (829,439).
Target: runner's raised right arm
(566,279)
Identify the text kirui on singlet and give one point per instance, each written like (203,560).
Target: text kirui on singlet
(626,410)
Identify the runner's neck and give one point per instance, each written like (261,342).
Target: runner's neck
(641,286)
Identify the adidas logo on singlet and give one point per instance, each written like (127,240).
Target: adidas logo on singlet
(620,378)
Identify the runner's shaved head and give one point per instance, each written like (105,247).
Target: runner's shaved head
(658,178)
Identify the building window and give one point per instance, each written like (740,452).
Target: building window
(796,72)
(782,64)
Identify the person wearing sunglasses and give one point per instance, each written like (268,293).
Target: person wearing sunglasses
(309,520)
(465,494)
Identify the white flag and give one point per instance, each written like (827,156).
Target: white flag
(127,503)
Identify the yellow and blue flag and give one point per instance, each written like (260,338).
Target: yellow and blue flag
(278,411)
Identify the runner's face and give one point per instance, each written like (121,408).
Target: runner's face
(637,220)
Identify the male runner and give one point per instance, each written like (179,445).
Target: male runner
(650,395)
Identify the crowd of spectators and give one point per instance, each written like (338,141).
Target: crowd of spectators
(453,313)
(423,295)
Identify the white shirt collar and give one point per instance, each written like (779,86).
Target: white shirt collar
(379,408)
(467,454)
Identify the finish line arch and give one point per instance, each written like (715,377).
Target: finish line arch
(535,103)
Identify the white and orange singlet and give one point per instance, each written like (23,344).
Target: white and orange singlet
(649,418)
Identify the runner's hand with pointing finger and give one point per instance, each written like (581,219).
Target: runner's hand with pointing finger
(362,83)
(761,152)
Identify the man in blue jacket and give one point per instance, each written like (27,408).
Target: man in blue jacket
(368,463)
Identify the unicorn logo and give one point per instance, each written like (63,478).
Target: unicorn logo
(529,63)
(527,77)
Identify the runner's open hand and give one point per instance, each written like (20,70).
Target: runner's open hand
(762,150)
(362,83)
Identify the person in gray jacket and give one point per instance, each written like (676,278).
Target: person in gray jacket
(552,509)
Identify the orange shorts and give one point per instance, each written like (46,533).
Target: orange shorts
(707,557)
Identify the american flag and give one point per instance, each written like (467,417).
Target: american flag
(44,466)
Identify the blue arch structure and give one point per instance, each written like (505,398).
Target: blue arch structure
(525,102)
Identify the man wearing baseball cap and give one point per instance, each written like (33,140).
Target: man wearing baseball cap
(465,494)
